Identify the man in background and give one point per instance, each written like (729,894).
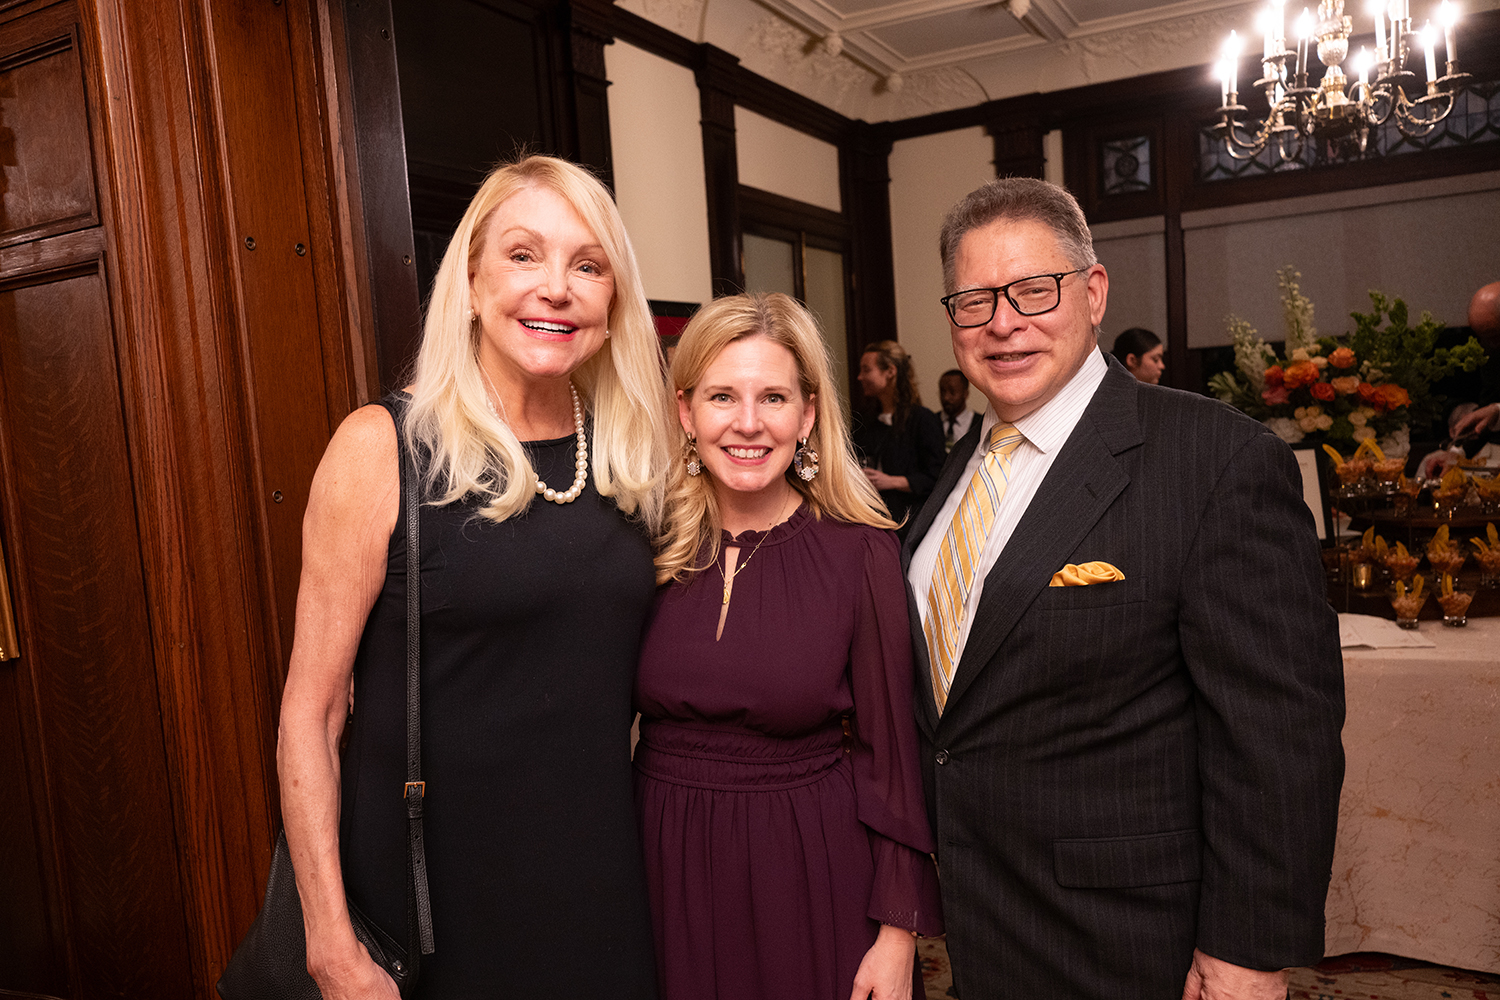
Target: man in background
(953,391)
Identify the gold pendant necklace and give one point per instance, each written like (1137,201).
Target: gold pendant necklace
(728,578)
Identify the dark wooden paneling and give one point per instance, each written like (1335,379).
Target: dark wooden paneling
(278,305)
(46,174)
(390,255)
(87,659)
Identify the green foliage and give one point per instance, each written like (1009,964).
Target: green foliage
(1407,355)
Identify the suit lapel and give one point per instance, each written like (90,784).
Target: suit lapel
(1084,480)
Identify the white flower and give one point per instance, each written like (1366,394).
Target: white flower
(1324,422)
(1300,354)
(1285,428)
(1364,434)
(1358,419)
(1308,424)
(1320,361)
(1398,443)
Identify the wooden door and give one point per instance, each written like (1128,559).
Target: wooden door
(89,848)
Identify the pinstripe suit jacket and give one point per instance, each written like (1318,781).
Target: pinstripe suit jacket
(1128,770)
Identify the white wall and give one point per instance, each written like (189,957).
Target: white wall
(1431,243)
(929,175)
(658,158)
(1134,253)
(784,161)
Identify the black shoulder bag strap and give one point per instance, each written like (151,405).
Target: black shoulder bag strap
(415,791)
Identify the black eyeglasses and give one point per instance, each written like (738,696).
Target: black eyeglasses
(1028,296)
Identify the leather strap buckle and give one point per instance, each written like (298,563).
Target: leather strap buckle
(420,786)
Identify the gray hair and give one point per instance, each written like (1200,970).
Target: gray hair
(1018,199)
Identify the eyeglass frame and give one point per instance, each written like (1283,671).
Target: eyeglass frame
(1005,291)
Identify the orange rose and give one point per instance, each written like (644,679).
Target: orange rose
(1367,393)
(1323,391)
(1392,396)
(1345,384)
(1299,373)
(1273,376)
(1342,358)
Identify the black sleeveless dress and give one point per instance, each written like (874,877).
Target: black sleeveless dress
(530,634)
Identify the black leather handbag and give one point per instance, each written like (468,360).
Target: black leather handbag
(271,962)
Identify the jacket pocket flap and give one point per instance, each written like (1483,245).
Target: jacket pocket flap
(1128,862)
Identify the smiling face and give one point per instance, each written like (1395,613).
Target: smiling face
(541,288)
(747,413)
(1020,362)
(1149,366)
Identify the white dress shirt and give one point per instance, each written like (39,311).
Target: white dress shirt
(960,426)
(1045,429)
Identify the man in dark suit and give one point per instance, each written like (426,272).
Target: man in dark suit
(1134,782)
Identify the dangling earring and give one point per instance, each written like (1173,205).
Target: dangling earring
(694,467)
(805,461)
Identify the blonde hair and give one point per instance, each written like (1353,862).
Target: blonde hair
(840,490)
(474,453)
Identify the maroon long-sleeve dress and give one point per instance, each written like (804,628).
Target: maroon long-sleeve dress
(775,846)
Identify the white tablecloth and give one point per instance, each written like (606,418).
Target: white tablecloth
(1417,868)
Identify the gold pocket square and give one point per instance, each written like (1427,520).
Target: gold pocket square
(1081,576)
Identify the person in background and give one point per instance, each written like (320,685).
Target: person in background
(1131,686)
(1474,424)
(777,780)
(953,393)
(1140,351)
(537,421)
(899,441)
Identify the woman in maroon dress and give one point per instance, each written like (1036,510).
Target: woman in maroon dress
(777,784)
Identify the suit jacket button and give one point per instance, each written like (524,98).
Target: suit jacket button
(942,757)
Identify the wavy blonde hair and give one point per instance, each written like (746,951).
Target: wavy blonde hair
(840,490)
(475,453)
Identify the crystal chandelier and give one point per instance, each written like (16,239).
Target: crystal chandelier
(1336,109)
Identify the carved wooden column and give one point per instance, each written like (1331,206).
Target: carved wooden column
(589,32)
(721,171)
(864,163)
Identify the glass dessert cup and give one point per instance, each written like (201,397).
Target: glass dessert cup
(1388,469)
(1448,562)
(1408,607)
(1401,567)
(1489,569)
(1455,608)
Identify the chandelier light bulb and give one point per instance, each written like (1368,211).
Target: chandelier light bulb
(1448,18)
(1362,63)
(1304,25)
(1429,47)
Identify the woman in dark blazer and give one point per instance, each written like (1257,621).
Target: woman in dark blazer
(900,442)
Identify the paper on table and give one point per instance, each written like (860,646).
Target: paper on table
(1378,633)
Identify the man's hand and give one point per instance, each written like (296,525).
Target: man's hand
(1212,979)
(1477,420)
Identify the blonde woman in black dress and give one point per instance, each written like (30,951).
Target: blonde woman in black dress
(531,417)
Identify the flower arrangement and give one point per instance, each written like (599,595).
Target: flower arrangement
(1369,385)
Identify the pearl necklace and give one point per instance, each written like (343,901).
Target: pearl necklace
(581,453)
(581,461)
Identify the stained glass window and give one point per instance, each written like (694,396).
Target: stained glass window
(1475,119)
(1127,165)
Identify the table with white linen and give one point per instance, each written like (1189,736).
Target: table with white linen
(1416,870)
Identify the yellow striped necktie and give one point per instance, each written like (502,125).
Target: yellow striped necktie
(958,559)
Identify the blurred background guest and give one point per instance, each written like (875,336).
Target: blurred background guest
(1140,350)
(953,394)
(898,440)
